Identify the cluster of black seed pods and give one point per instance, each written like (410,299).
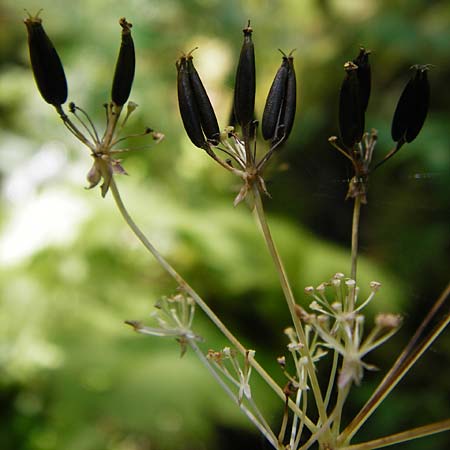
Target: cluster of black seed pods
(357,145)
(200,122)
(51,82)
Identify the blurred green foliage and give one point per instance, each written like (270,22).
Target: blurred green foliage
(71,374)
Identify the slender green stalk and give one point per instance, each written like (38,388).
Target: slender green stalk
(414,433)
(287,290)
(342,396)
(331,378)
(355,235)
(262,427)
(412,352)
(201,303)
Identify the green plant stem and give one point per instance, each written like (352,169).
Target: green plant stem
(412,352)
(342,396)
(201,303)
(114,114)
(262,427)
(414,433)
(355,235)
(331,378)
(290,301)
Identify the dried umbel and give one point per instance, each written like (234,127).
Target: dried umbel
(45,63)
(125,66)
(412,107)
(51,82)
(245,83)
(201,125)
(359,146)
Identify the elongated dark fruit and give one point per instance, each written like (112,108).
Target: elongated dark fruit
(275,98)
(364,76)
(208,118)
(45,63)
(351,114)
(245,83)
(189,112)
(289,107)
(125,66)
(412,107)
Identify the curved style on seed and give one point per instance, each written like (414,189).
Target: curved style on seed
(125,66)
(45,63)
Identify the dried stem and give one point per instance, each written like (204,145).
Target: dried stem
(414,433)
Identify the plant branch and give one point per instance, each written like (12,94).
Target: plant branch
(414,433)
(201,303)
(287,290)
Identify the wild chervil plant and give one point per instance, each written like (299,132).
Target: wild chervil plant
(333,324)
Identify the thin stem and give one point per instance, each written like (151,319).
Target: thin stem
(414,433)
(287,290)
(404,362)
(73,128)
(342,396)
(266,432)
(332,377)
(355,233)
(114,114)
(300,428)
(284,422)
(201,303)
(389,155)
(318,434)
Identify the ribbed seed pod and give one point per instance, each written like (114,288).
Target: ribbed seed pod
(208,118)
(274,102)
(289,107)
(125,66)
(45,63)
(245,83)
(412,107)
(189,111)
(364,76)
(351,114)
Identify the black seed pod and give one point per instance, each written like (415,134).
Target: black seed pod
(364,76)
(45,63)
(208,118)
(274,101)
(412,107)
(189,112)
(287,115)
(126,62)
(245,84)
(351,114)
